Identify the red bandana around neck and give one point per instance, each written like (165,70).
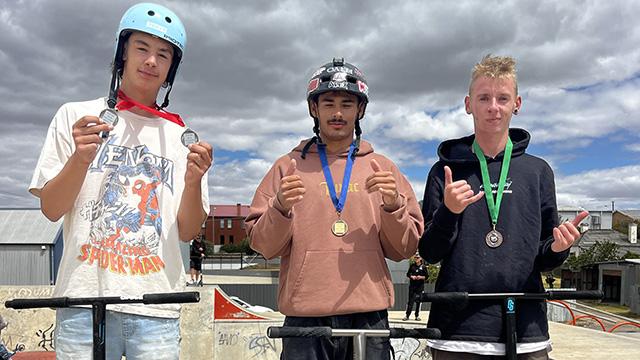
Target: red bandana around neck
(127,103)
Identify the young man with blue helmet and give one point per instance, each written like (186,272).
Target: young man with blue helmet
(130,180)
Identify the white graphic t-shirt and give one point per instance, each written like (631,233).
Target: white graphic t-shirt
(121,236)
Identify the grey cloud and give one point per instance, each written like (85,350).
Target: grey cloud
(243,80)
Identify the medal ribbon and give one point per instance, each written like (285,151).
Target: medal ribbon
(494,205)
(337,203)
(127,103)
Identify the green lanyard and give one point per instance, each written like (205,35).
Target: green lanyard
(494,205)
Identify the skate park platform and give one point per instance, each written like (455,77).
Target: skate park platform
(217,328)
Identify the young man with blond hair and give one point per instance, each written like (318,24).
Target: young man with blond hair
(492,222)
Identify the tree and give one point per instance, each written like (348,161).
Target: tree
(433,271)
(599,252)
(241,247)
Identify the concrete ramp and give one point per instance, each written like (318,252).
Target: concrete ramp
(227,309)
(574,342)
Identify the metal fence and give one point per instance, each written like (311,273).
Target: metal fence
(237,261)
(267,294)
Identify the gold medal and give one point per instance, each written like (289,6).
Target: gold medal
(339,228)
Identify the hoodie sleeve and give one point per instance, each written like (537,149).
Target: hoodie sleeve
(269,229)
(547,258)
(400,230)
(441,225)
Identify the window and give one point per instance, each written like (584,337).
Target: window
(229,223)
(221,223)
(230,239)
(221,239)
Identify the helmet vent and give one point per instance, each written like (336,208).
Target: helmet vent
(167,19)
(151,13)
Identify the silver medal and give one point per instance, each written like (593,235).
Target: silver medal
(189,137)
(108,116)
(493,239)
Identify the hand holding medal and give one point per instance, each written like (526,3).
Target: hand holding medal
(458,195)
(199,159)
(86,137)
(384,183)
(567,233)
(291,188)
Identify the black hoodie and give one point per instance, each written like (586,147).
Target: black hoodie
(528,214)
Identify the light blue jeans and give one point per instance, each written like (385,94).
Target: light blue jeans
(134,336)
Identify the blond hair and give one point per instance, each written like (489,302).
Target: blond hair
(496,67)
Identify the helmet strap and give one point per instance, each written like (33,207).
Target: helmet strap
(113,88)
(314,140)
(358,133)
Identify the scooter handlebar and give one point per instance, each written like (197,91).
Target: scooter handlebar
(424,333)
(577,295)
(58,302)
(172,298)
(445,297)
(293,331)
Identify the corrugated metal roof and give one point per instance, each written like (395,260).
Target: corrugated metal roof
(27,226)
(589,238)
(635,214)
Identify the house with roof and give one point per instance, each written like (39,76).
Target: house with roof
(30,247)
(618,279)
(225,224)
(620,282)
(622,219)
(598,219)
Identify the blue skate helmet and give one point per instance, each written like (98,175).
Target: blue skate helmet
(155,20)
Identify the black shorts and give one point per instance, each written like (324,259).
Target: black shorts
(196,264)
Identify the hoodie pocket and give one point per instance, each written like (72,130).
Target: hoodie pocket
(335,282)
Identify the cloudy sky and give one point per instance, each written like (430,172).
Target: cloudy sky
(242,84)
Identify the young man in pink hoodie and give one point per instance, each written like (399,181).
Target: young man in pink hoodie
(332,270)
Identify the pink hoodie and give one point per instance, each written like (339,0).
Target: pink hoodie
(321,274)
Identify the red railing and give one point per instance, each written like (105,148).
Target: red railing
(575,318)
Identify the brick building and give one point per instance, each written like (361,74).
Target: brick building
(225,224)
(622,219)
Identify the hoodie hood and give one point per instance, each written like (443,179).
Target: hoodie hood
(459,150)
(365,148)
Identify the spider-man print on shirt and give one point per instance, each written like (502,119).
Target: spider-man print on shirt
(126,221)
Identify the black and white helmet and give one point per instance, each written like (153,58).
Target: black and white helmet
(338,75)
